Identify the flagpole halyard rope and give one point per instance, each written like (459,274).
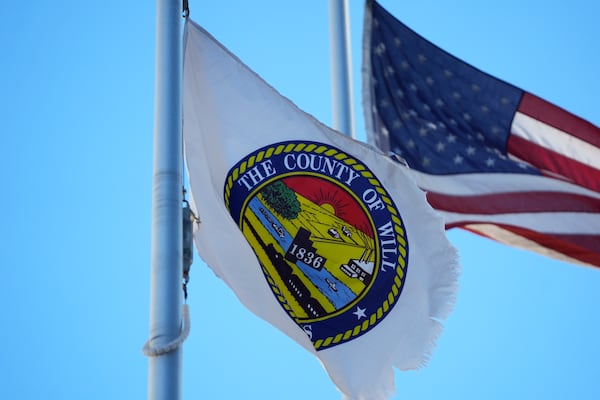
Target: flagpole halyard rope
(151,350)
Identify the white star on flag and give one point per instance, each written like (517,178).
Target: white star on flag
(360,312)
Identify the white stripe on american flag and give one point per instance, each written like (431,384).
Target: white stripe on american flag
(510,239)
(544,222)
(559,118)
(575,157)
(532,212)
(485,183)
(555,139)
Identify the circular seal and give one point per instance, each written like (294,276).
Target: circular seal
(329,238)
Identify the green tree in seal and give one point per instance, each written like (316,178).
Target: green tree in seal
(282,199)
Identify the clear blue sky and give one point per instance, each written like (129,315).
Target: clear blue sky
(76,107)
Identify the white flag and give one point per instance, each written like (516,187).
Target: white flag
(320,235)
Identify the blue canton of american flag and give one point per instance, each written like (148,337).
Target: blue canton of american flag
(459,117)
(493,158)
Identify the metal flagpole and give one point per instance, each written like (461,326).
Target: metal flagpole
(164,372)
(341,71)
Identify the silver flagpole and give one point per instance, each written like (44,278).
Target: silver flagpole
(164,372)
(341,71)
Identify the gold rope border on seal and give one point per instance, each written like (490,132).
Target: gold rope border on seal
(394,292)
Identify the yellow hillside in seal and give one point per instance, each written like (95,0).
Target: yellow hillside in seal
(317,263)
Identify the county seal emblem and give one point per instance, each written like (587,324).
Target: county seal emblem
(329,238)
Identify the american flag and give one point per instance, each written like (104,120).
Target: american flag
(494,159)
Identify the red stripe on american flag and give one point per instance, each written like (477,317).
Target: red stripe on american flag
(520,202)
(552,161)
(559,118)
(585,248)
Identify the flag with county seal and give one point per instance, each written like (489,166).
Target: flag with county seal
(494,159)
(306,227)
